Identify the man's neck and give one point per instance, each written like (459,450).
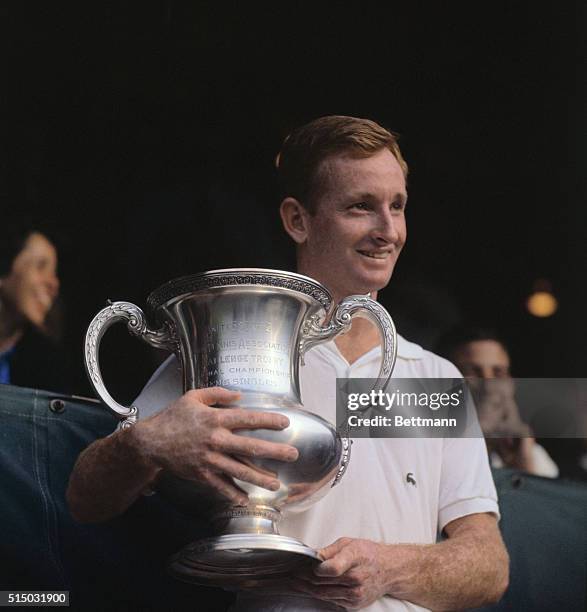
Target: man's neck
(360,339)
(363,335)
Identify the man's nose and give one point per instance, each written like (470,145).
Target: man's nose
(387,229)
(485,372)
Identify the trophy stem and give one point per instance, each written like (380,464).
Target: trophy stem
(255,518)
(247,551)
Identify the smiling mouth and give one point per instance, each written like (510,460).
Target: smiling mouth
(45,300)
(375,254)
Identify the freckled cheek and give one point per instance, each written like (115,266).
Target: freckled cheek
(351,234)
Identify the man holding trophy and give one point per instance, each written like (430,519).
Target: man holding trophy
(344,207)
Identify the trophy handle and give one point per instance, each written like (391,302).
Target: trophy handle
(314,333)
(163,338)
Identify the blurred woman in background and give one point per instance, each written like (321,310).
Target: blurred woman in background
(29,286)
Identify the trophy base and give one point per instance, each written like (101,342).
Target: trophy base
(237,560)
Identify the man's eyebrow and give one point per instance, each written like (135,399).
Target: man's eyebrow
(369,194)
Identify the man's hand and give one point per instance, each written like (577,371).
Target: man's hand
(496,404)
(515,452)
(353,573)
(196,442)
(469,569)
(190,440)
(499,417)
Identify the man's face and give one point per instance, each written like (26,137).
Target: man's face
(359,228)
(482,359)
(32,285)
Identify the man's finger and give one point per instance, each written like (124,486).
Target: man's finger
(337,565)
(334,581)
(238,418)
(348,579)
(243,472)
(227,489)
(252,447)
(331,550)
(337,594)
(214,395)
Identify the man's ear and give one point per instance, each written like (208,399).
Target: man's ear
(294,217)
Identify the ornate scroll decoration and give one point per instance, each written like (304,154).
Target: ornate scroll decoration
(163,338)
(344,461)
(363,305)
(236,277)
(314,333)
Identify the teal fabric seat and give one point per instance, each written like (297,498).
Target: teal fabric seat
(117,565)
(544,526)
(120,564)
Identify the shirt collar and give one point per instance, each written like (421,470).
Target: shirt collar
(408,350)
(405,350)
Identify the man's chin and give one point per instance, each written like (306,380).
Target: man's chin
(359,283)
(377,281)
(372,284)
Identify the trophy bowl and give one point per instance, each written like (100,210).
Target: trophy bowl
(247,330)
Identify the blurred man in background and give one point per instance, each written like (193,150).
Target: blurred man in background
(483,358)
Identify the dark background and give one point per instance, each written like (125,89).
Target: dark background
(144,136)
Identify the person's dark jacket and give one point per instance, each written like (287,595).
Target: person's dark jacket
(38,363)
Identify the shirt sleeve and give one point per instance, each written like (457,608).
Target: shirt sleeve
(163,387)
(466,484)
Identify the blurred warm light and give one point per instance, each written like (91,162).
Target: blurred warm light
(542,304)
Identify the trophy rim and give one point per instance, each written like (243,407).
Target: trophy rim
(201,562)
(239,277)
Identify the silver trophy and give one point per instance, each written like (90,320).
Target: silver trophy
(248,330)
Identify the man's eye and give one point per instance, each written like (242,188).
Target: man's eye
(398,205)
(360,206)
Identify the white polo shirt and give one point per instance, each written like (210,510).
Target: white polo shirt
(374,500)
